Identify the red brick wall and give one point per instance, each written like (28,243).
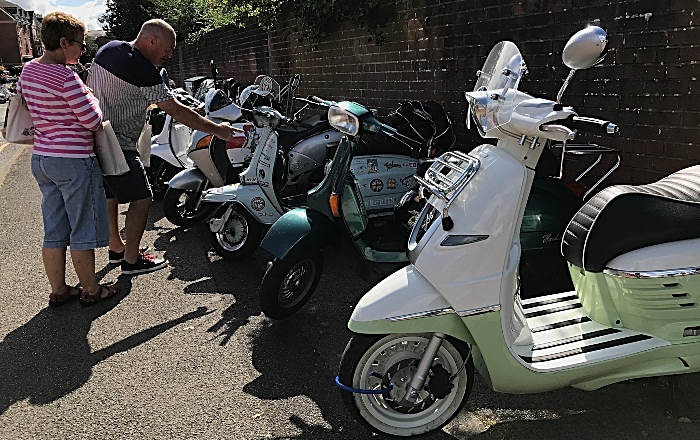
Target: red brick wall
(648,84)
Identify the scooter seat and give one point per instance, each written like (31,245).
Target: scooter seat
(623,218)
(289,135)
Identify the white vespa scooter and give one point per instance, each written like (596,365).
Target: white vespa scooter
(633,253)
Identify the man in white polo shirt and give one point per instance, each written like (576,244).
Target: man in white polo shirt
(125,78)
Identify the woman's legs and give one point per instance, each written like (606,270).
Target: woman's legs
(84,264)
(55,267)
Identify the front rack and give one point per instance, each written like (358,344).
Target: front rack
(446,178)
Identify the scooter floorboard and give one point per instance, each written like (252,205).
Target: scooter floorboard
(564,337)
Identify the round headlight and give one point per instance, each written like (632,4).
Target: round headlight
(343,121)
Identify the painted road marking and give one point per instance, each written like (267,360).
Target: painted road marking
(2,147)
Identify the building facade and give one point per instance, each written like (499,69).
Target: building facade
(20,33)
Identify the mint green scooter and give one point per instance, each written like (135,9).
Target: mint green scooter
(633,253)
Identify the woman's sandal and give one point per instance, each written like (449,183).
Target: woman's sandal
(59,299)
(106,291)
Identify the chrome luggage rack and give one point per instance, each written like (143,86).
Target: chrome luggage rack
(588,149)
(446,178)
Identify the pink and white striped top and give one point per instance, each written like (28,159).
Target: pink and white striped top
(64,114)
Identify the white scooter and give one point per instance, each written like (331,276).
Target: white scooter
(633,254)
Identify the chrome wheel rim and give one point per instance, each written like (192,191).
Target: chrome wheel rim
(234,234)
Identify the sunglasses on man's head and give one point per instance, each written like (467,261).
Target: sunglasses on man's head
(83,45)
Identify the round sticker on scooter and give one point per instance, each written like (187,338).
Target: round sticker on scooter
(376,185)
(258,204)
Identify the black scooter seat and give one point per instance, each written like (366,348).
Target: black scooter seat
(623,218)
(289,135)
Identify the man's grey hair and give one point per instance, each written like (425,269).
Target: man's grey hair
(155,28)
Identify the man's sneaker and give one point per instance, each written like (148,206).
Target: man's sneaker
(118,257)
(145,264)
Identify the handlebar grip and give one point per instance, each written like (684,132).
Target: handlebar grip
(592,125)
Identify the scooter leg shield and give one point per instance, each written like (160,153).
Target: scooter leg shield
(190,179)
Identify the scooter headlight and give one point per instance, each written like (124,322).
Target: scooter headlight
(477,102)
(343,121)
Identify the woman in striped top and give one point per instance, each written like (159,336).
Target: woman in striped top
(65,115)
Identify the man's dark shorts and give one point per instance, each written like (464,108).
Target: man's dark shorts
(130,186)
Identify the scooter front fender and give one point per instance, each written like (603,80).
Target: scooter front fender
(190,179)
(406,302)
(298,230)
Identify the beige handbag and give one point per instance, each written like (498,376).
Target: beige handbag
(19,127)
(108,151)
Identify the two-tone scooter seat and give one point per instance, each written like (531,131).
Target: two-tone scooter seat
(623,218)
(289,135)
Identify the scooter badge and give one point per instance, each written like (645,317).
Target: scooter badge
(258,204)
(391,183)
(376,185)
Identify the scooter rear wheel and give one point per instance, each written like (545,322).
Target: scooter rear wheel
(176,209)
(393,358)
(288,283)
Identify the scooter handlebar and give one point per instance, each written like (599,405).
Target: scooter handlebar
(591,125)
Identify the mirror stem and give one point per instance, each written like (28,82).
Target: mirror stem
(565,85)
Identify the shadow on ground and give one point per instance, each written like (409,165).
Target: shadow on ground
(49,356)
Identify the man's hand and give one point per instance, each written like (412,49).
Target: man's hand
(225,131)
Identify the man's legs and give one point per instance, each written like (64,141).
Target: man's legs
(135,225)
(116,243)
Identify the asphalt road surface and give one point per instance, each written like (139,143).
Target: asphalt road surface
(185,353)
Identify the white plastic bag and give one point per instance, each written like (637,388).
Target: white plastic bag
(108,151)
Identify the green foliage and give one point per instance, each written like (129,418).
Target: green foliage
(89,54)
(124,18)
(312,19)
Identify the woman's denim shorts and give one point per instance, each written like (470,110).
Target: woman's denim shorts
(73,202)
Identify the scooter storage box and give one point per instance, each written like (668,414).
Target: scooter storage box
(383,180)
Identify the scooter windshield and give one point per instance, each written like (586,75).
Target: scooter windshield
(491,102)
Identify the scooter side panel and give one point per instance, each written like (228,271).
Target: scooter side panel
(663,307)
(298,230)
(251,197)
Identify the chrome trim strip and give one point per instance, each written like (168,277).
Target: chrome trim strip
(426,314)
(652,273)
(479,311)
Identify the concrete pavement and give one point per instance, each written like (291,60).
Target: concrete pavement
(185,353)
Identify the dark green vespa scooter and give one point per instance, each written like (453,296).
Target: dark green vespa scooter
(335,214)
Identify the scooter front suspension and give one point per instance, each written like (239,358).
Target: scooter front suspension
(426,361)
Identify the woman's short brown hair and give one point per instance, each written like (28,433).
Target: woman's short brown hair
(59,24)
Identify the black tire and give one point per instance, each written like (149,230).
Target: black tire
(239,237)
(288,283)
(159,174)
(358,357)
(174,207)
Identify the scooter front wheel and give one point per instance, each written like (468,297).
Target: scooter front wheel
(239,236)
(177,209)
(288,284)
(373,362)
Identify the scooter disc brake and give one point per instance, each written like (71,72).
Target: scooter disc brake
(401,374)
